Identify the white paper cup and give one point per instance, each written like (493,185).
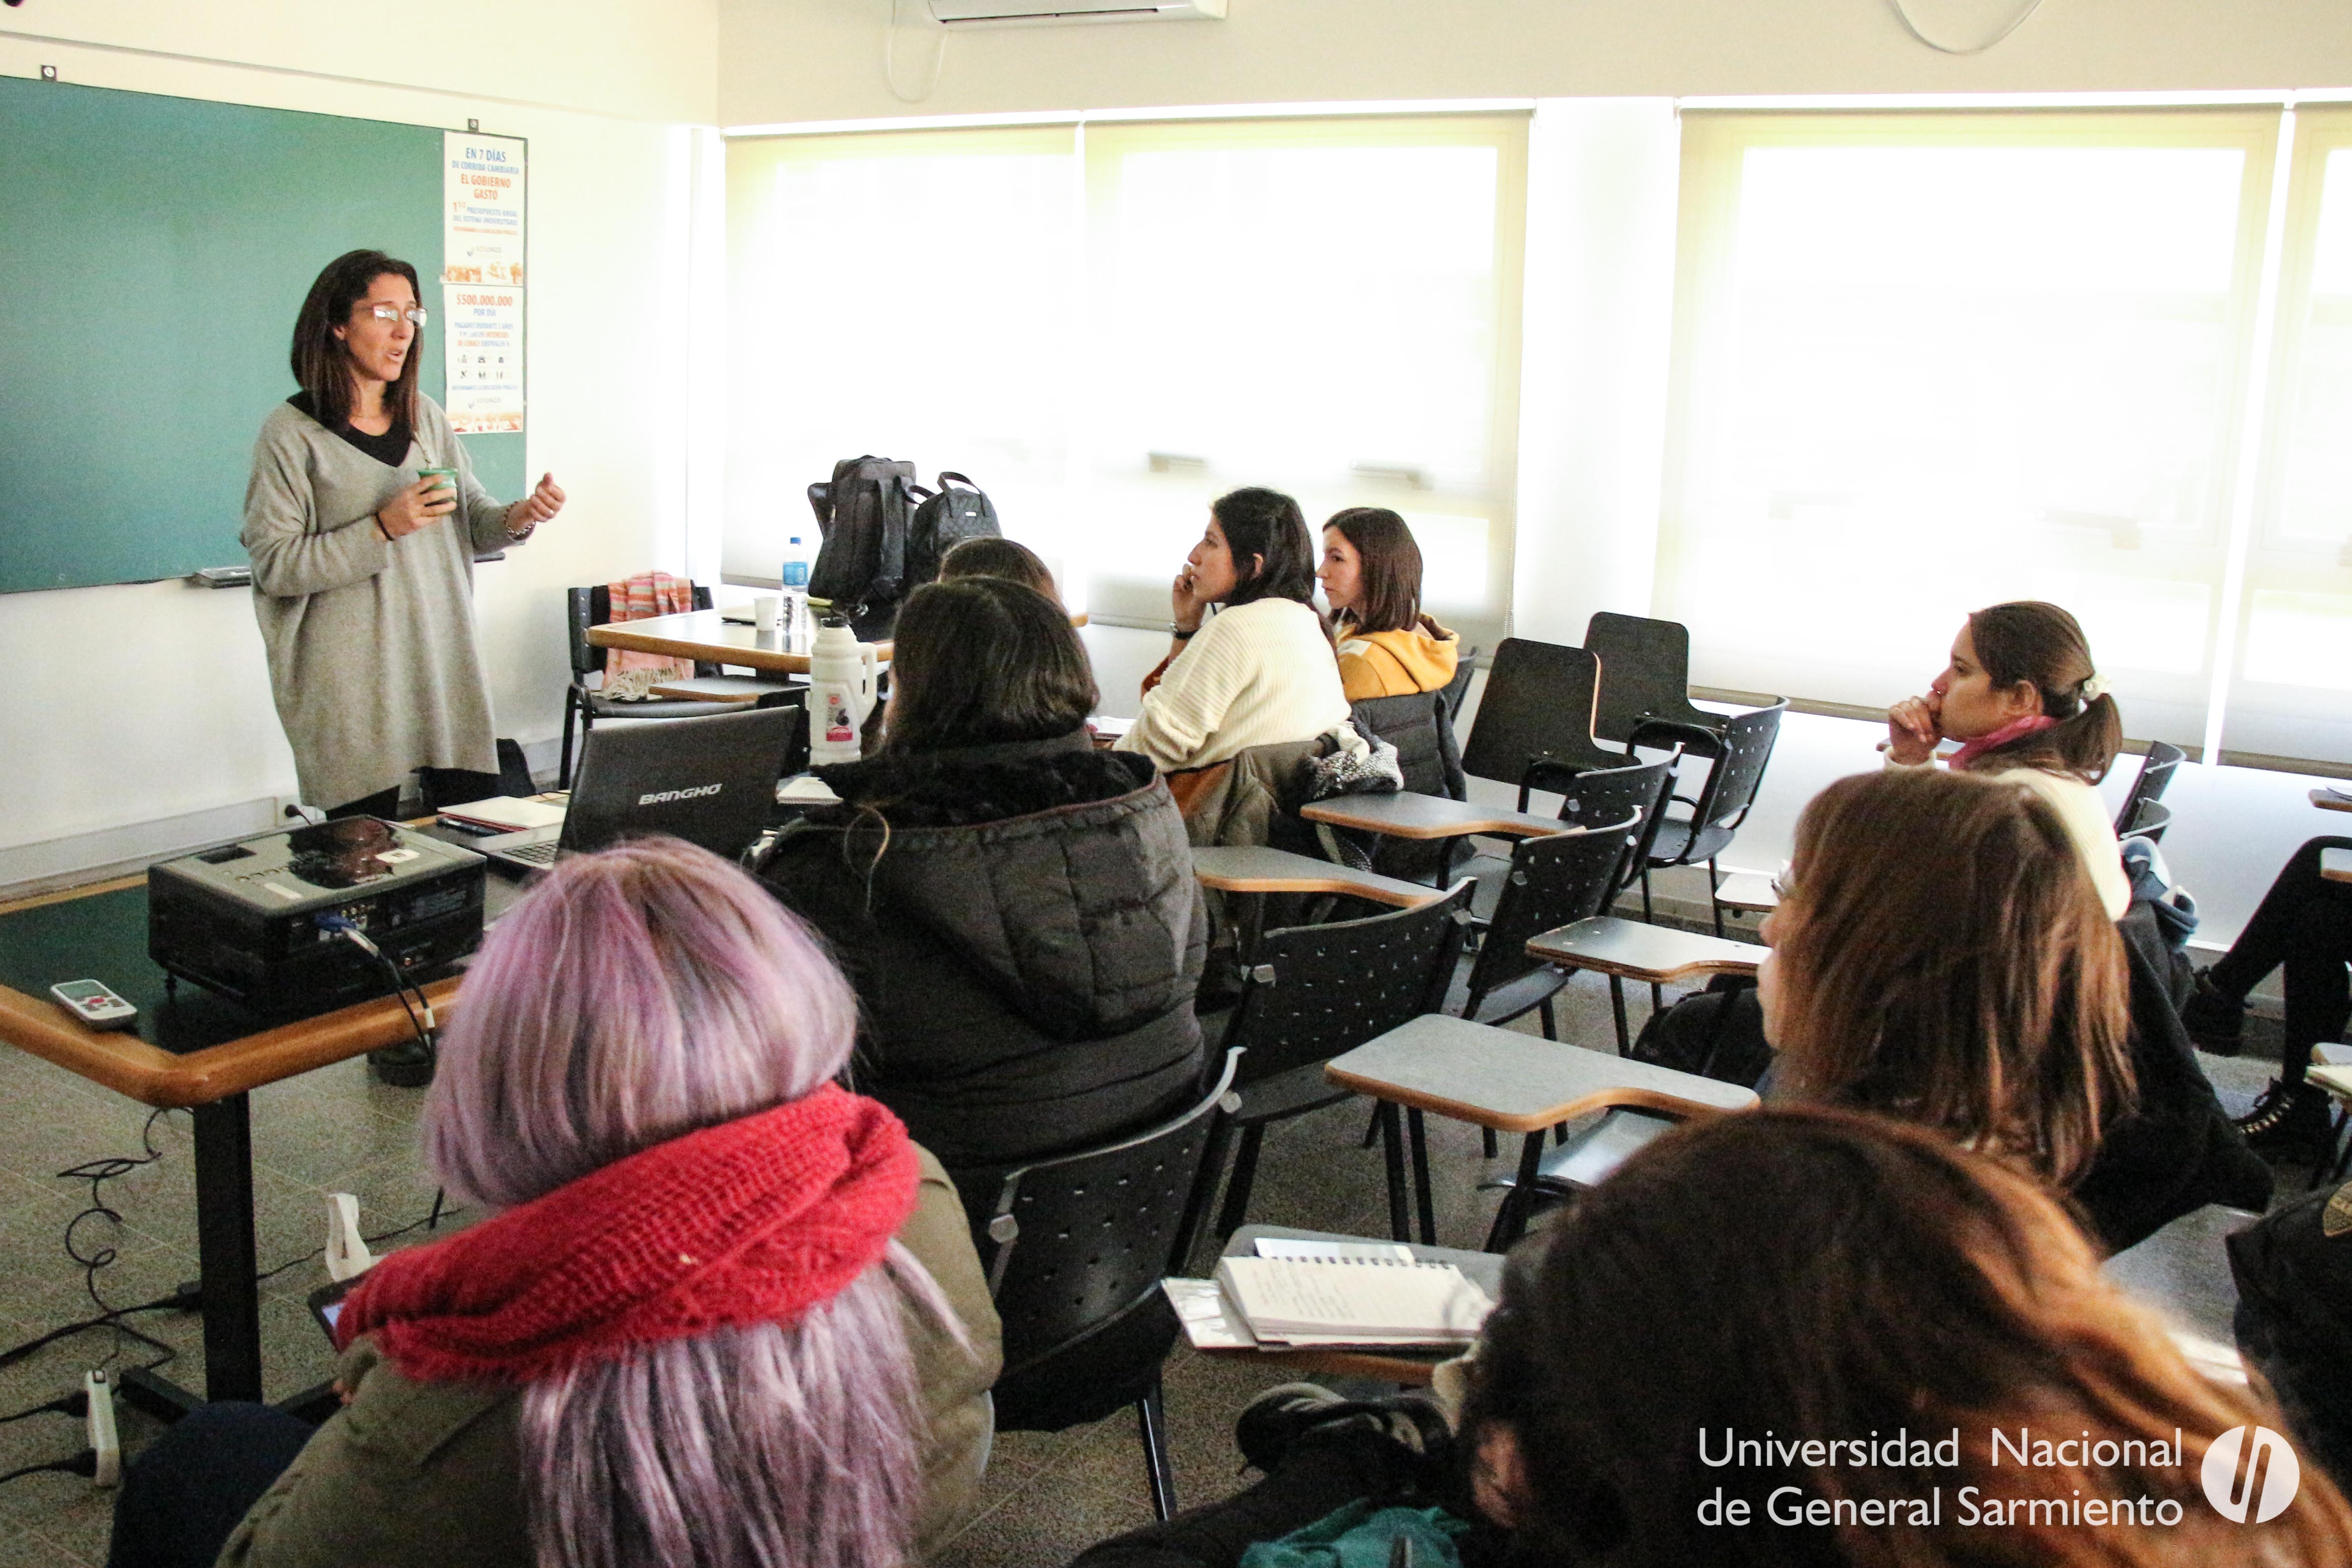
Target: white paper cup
(766,610)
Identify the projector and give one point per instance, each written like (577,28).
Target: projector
(260,921)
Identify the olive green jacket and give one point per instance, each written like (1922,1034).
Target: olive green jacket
(428,1475)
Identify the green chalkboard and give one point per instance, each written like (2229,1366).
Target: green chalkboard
(153,252)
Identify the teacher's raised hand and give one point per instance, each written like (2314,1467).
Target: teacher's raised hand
(421,505)
(537,507)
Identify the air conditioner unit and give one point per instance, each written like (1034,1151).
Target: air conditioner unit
(1046,13)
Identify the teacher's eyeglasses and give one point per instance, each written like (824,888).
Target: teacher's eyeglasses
(415,315)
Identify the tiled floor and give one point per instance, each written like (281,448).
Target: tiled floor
(1049,1495)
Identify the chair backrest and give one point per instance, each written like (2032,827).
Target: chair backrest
(2155,776)
(1314,992)
(1073,1243)
(1612,794)
(585,607)
(1553,881)
(1455,692)
(1738,773)
(1644,674)
(2150,822)
(1417,726)
(1537,708)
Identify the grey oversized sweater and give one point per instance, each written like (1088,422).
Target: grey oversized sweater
(371,643)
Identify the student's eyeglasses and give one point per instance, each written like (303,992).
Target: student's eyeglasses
(415,315)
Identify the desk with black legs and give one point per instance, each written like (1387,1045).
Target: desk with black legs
(188,1049)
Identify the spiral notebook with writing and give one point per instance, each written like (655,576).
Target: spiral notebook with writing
(1352,1300)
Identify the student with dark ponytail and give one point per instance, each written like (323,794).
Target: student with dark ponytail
(2027,704)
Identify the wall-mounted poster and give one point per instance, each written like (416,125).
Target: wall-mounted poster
(482,208)
(483,348)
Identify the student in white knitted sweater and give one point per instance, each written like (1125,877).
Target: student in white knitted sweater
(1260,671)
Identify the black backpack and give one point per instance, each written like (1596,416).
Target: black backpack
(955,512)
(885,534)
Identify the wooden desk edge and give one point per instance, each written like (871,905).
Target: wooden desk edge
(678,647)
(1627,1097)
(1337,1361)
(2326,801)
(1396,896)
(1632,971)
(1507,824)
(170,1079)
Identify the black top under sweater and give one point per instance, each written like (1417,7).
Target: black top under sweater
(391,448)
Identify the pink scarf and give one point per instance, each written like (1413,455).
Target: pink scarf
(2016,729)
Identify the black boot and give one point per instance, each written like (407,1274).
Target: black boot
(2215,1019)
(2289,1119)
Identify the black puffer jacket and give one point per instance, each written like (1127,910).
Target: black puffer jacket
(1024,931)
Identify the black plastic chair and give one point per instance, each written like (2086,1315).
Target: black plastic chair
(1456,691)
(1645,677)
(1417,726)
(1075,1249)
(1555,881)
(1312,993)
(2149,823)
(1537,708)
(2155,778)
(1733,778)
(585,607)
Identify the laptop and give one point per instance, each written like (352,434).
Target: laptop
(711,782)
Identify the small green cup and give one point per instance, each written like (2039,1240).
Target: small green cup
(448,478)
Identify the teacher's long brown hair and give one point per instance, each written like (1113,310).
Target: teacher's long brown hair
(318,360)
(1941,955)
(1820,1274)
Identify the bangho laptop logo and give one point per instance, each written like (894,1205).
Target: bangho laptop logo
(660,795)
(2250,1474)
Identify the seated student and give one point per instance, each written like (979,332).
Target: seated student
(1816,1276)
(1372,579)
(1017,909)
(2022,696)
(1261,671)
(1005,558)
(2305,924)
(718,1304)
(1938,954)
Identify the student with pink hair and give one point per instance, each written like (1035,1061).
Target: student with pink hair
(721,1312)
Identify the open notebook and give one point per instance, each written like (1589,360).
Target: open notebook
(1330,1301)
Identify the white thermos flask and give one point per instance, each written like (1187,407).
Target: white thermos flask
(841,693)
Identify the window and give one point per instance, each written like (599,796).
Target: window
(1926,362)
(2291,695)
(1108,326)
(905,294)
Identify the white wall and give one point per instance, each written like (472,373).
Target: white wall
(822,59)
(190,748)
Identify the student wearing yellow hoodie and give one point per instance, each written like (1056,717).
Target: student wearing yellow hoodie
(1372,576)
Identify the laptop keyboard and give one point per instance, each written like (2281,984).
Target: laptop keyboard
(537,853)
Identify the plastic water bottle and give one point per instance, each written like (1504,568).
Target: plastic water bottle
(792,627)
(841,673)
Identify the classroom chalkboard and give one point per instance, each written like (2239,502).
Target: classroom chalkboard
(153,252)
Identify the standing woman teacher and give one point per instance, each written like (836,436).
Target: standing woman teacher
(363,566)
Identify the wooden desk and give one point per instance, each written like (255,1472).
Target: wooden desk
(2326,801)
(1413,1366)
(1403,815)
(193,1050)
(706,637)
(1254,868)
(1631,950)
(1509,1082)
(2336,865)
(709,637)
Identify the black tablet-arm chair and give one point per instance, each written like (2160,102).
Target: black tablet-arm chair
(1312,993)
(1745,745)
(2148,822)
(1416,724)
(1075,1249)
(1554,880)
(2155,777)
(585,607)
(1538,707)
(1645,678)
